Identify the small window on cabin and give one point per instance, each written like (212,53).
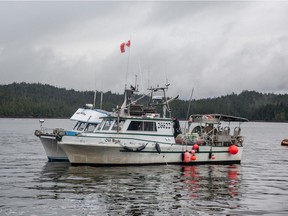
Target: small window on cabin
(135,126)
(142,126)
(90,127)
(120,125)
(150,126)
(107,124)
(100,125)
(76,126)
(81,126)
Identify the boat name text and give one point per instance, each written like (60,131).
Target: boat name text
(164,125)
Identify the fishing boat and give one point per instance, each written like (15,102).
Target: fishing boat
(138,134)
(86,119)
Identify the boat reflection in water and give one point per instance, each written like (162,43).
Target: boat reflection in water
(143,190)
(212,181)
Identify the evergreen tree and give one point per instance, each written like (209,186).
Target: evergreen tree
(46,101)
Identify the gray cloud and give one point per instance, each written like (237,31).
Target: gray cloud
(216,47)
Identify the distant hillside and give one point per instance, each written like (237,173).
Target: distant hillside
(42,100)
(249,104)
(39,100)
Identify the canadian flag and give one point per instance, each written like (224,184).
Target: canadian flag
(122,46)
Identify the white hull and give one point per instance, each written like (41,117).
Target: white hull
(87,119)
(52,149)
(111,153)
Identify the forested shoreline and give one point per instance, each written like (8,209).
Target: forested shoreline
(35,100)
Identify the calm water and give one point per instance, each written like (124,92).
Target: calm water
(31,186)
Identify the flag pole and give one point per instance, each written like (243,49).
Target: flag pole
(127,68)
(128,61)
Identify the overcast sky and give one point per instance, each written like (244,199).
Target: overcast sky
(215,47)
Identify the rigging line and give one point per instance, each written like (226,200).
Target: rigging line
(188,112)
(141,77)
(95,91)
(165,72)
(148,78)
(189,103)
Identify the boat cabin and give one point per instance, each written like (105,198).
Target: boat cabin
(136,125)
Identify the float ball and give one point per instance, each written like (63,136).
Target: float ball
(193,158)
(233,149)
(187,157)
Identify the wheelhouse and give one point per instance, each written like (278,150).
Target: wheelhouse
(132,125)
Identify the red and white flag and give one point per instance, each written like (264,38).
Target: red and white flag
(122,46)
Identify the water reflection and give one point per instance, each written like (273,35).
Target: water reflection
(256,187)
(212,182)
(143,190)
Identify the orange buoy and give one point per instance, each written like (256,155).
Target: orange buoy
(195,147)
(193,158)
(187,157)
(233,149)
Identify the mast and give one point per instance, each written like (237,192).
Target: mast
(94,100)
(101,101)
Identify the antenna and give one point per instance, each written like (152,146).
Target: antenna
(141,77)
(136,82)
(148,77)
(165,71)
(94,100)
(101,100)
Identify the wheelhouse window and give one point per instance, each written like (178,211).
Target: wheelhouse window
(118,125)
(107,124)
(142,126)
(90,127)
(80,126)
(100,126)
